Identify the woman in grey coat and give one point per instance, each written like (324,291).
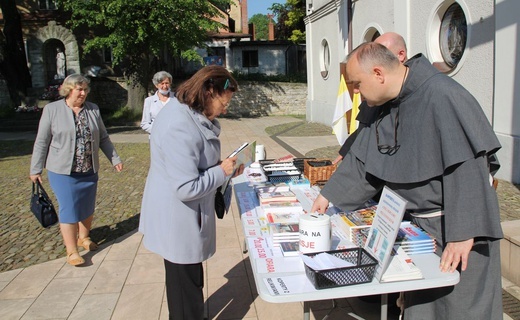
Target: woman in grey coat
(70,135)
(178,209)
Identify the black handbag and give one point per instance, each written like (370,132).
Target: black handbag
(220,204)
(42,207)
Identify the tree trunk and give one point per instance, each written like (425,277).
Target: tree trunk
(136,94)
(13,65)
(137,84)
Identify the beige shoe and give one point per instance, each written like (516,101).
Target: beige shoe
(74,259)
(88,244)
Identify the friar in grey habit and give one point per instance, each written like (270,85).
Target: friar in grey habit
(430,143)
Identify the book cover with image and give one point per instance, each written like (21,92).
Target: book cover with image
(284,229)
(290,217)
(409,233)
(290,248)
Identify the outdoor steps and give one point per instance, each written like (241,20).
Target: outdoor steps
(510,251)
(22,121)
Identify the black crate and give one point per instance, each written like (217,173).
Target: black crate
(362,271)
(280,178)
(286,178)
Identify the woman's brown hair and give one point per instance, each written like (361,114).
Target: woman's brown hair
(194,91)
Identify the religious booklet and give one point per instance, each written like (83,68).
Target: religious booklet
(414,240)
(385,226)
(290,217)
(276,196)
(290,248)
(245,156)
(401,267)
(411,234)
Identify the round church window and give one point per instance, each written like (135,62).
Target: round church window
(453,35)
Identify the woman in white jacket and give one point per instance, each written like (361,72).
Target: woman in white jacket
(178,207)
(162,80)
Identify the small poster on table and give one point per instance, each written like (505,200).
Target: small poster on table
(385,227)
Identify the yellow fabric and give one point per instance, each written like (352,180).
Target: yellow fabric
(343,104)
(355,110)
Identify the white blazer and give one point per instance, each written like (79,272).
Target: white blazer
(152,106)
(178,207)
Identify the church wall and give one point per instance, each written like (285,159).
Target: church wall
(487,68)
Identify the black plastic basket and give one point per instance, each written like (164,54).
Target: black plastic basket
(300,163)
(362,271)
(280,178)
(286,178)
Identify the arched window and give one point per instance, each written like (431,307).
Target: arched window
(324,59)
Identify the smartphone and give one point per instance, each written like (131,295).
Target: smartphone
(237,150)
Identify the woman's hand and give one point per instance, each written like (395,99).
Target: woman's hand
(36,177)
(119,167)
(228,165)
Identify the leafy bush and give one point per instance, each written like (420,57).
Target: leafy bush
(122,116)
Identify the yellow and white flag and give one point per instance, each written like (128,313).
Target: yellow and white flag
(343,104)
(356,101)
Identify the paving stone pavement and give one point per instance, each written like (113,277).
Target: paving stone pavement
(24,243)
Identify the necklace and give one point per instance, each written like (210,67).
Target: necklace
(402,83)
(385,148)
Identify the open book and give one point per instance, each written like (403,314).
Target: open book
(401,267)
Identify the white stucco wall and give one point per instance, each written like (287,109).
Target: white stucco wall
(325,25)
(271,59)
(493,80)
(417,23)
(506,119)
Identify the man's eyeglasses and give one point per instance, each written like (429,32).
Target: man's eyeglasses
(384,148)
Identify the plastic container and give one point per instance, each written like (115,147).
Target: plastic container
(315,233)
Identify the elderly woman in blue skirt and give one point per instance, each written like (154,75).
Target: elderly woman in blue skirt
(70,134)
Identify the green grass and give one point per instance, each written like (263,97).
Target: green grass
(299,129)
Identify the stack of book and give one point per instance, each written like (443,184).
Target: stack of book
(414,240)
(279,202)
(356,224)
(284,232)
(276,196)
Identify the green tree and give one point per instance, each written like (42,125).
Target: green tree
(261,22)
(138,30)
(289,17)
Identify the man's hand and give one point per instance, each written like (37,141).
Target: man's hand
(338,159)
(320,205)
(455,253)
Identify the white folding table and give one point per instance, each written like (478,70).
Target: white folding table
(428,263)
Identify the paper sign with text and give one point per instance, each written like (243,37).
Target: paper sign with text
(385,227)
